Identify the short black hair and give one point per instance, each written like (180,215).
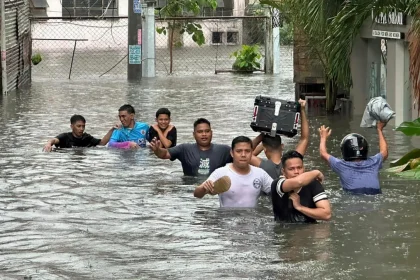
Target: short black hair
(128,108)
(200,121)
(290,154)
(272,143)
(76,118)
(163,111)
(241,139)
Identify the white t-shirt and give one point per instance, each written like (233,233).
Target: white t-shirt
(245,189)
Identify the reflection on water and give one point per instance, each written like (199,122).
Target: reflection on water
(108,214)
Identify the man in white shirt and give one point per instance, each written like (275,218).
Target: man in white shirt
(247,182)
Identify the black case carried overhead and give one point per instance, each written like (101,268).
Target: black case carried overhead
(275,116)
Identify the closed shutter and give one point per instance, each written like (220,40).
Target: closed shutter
(18,47)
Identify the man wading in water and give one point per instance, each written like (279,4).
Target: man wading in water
(247,182)
(200,158)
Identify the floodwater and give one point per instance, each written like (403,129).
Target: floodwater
(109,214)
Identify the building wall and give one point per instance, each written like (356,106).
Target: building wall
(18,43)
(55,10)
(366,52)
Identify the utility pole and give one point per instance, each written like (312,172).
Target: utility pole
(134,40)
(3,48)
(149,40)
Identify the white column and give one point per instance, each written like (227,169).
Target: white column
(149,40)
(276,41)
(397,93)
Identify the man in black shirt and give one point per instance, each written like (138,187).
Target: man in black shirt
(163,130)
(77,137)
(299,196)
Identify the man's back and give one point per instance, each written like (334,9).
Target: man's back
(359,176)
(274,170)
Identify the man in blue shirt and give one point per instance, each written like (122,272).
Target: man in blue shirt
(359,174)
(132,134)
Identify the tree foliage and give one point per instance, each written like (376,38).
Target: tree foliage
(179,9)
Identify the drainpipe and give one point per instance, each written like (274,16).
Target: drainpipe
(3,48)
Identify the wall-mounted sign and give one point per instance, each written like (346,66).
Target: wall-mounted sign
(391,18)
(134,54)
(136,6)
(388,34)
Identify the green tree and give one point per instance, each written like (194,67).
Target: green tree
(311,19)
(330,28)
(346,25)
(179,9)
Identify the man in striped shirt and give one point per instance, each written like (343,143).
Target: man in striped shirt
(298,196)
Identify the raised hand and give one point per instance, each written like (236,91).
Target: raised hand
(324,132)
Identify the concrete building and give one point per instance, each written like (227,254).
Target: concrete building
(380,65)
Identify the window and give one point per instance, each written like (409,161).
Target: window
(216,37)
(91,8)
(232,38)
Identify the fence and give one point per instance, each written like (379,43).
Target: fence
(17,49)
(98,47)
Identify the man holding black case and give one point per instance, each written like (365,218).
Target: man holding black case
(273,146)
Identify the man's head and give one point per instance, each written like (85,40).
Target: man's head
(354,147)
(202,132)
(126,114)
(292,164)
(272,144)
(163,118)
(241,151)
(77,125)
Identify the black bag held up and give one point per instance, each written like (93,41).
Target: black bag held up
(275,116)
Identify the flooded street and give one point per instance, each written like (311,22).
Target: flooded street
(100,213)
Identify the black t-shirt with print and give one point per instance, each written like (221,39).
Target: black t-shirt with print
(283,207)
(67,140)
(171,135)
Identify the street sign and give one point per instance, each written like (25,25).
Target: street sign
(388,34)
(134,54)
(137,6)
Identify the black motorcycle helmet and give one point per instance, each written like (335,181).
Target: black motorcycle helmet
(354,146)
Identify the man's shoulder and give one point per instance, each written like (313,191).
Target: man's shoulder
(185,146)
(65,135)
(141,125)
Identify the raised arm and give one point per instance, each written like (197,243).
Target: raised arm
(302,146)
(108,135)
(256,144)
(383,146)
(160,152)
(50,143)
(300,181)
(324,133)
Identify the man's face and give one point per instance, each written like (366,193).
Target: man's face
(125,118)
(293,167)
(78,128)
(163,121)
(241,154)
(203,134)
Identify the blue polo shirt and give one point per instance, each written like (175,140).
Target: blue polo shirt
(136,134)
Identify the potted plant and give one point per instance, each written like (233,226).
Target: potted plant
(247,59)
